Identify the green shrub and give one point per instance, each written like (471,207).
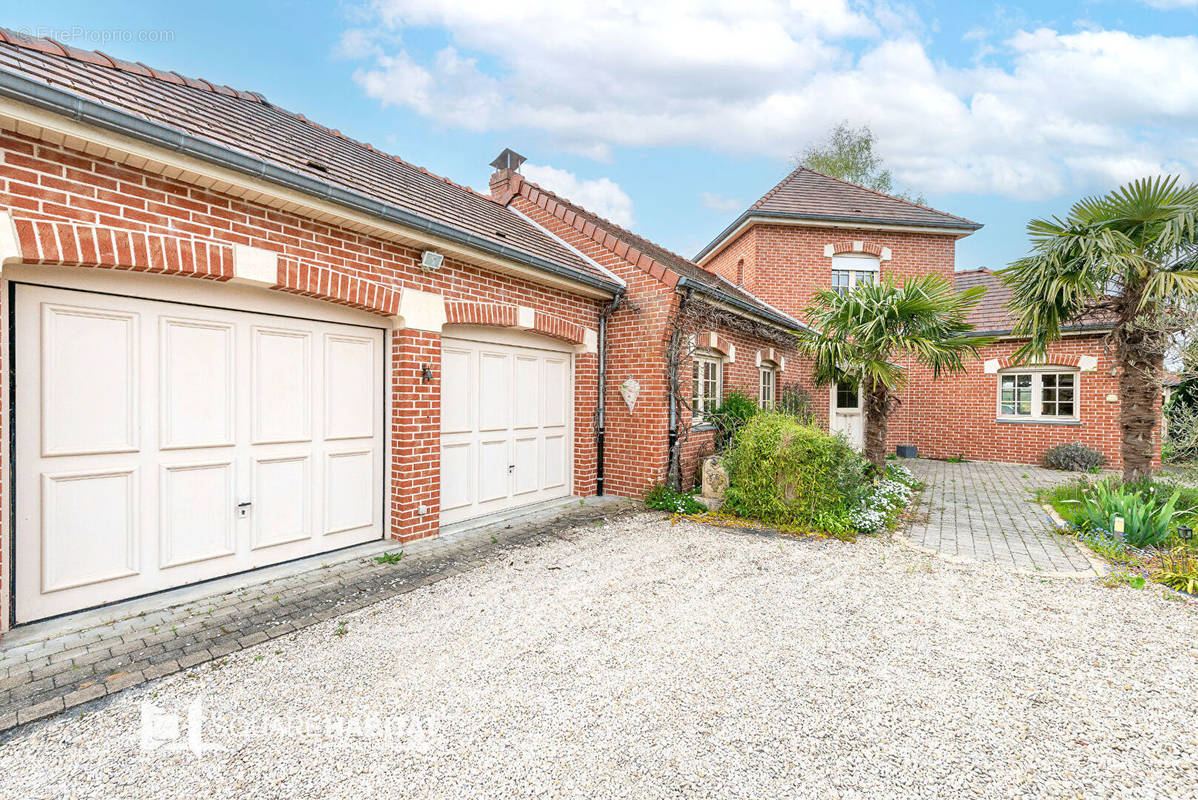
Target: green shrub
(1179,570)
(1145,520)
(663,498)
(785,472)
(1073,457)
(731,416)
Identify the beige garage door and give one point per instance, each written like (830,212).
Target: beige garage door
(159,444)
(506,412)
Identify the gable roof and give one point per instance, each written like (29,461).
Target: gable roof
(805,194)
(993,316)
(243,131)
(653,258)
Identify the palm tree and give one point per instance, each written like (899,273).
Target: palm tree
(1127,259)
(860,336)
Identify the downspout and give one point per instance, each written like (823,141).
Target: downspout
(602,404)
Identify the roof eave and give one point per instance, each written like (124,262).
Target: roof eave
(778,320)
(25,90)
(1075,330)
(962,228)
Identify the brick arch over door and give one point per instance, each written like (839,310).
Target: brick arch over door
(506,315)
(1081,362)
(73,245)
(847,246)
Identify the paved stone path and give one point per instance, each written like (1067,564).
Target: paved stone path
(41,678)
(987,512)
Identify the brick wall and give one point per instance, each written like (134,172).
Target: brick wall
(785,264)
(956,415)
(950,416)
(125,218)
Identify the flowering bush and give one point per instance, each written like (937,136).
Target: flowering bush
(663,498)
(881,505)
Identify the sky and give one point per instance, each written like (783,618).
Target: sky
(673,117)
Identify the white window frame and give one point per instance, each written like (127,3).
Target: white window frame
(855,267)
(1037,375)
(700,404)
(767,384)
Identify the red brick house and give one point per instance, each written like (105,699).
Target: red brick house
(812,232)
(754,357)
(237,338)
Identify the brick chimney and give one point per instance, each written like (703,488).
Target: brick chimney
(505,181)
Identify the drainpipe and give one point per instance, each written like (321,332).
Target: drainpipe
(602,405)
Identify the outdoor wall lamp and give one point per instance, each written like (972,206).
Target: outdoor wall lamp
(426,373)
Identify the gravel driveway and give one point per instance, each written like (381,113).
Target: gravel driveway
(646,659)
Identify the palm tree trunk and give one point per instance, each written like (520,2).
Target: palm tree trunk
(1140,370)
(878,405)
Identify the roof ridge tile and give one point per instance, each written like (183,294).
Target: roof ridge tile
(53,47)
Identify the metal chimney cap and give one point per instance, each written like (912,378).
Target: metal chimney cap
(508,159)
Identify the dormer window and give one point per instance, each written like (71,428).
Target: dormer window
(851,270)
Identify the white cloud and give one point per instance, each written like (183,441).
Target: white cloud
(601,196)
(717,202)
(1064,111)
(1170,4)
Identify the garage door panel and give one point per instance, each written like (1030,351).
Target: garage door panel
(555,461)
(526,476)
(493,473)
(197,366)
(457,391)
(196,513)
(349,491)
(456,482)
(90,528)
(89,381)
(282,492)
(528,392)
(556,392)
(350,367)
(494,391)
(282,379)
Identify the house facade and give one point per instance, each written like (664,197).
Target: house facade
(813,232)
(237,338)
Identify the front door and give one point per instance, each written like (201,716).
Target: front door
(846,414)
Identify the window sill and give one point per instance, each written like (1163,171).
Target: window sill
(701,427)
(1038,421)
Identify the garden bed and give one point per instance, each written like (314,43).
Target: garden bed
(1143,530)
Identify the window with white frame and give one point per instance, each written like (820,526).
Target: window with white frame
(1038,395)
(852,270)
(708,387)
(768,386)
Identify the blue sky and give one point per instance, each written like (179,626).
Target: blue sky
(674,117)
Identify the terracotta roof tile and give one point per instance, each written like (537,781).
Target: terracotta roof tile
(246,122)
(992,314)
(807,193)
